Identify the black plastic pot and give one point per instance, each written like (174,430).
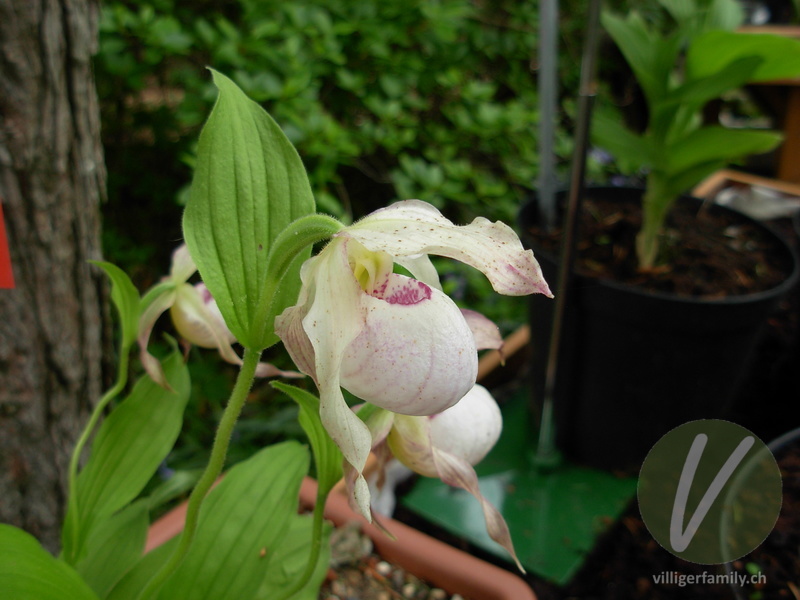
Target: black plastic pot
(635,364)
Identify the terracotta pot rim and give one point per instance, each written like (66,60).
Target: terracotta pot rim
(432,560)
(421,555)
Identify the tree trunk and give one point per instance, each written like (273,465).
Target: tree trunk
(52,180)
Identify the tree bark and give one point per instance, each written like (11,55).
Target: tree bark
(52,180)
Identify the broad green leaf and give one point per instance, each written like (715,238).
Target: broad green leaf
(179,483)
(713,51)
(631,151)
(130,445)
(723,14)
(249,185)
(114,546)
(29,572)
(650,55)
(697,92)
(327,456)
(681,10)
(133,582)
(126,298)
(682,182)
(718,143)
(290,560)
(243,521)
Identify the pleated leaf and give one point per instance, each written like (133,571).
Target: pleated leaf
(242,525)
(290,561)
(131,443)
(133,582)
(115,546)
(249,185)
(29,572)
(327,456)
(126,298)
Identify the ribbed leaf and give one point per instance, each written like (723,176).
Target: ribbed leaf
(126,298)
(290,561)
(718,143)
(631,151)
(711,52)
(114,546)
(249,185)
(134,580)
(651,56)
(327,456)
(129,446)
(29,572)
(243,522)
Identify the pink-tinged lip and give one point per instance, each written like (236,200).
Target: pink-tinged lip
(412,292)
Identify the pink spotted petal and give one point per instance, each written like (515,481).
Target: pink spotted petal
(459,473)
(486,333)
(413,227)
(415,355)
(334,318)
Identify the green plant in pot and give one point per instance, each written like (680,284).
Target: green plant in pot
(679,71)
(644,352)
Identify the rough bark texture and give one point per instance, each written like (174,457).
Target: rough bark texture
(52,180)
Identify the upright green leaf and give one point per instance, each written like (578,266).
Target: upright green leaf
(129,446)
(327,456)
(290,561)
(249,184)
(696,93)
(243,522)
(650,55)
(631,150)
(29,572)
(126,298)
(718,143)
(129,587)
(114,546)
(711,52)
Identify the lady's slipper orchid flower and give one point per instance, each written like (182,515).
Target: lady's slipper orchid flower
(195,315)
(396,342)
(448,445)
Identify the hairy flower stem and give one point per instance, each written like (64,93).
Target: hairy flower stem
(316,544)
(71,553)
(216,462)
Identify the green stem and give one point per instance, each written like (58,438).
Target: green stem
(316,543)
(216,462)
(289,244)
(72,476)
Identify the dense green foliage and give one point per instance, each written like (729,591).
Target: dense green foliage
(383,100)
(435,99)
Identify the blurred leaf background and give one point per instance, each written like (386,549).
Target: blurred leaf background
(384,100)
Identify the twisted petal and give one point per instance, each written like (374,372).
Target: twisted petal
(330,326)
(447,445)
(156,302)
(182,266)
(413,227)
(486,333)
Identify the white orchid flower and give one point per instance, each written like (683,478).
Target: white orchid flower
(448,445)
(394,341)
(195,315)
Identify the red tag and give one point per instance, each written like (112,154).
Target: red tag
(6,275)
